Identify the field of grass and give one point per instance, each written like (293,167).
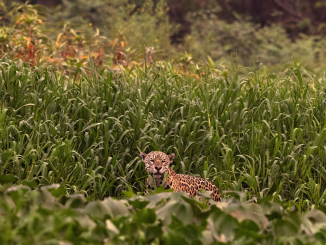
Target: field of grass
(251,132)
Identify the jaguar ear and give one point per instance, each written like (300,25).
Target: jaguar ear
(171,157)
(143,156)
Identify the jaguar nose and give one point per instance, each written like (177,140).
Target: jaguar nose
(158,168)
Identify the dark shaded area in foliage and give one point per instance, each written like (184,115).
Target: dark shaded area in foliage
(296,16)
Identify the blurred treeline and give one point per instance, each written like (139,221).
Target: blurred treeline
(189,31)
(296,16)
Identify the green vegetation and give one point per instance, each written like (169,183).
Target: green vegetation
(270,44)
(258,133)
(35,36)
(80,99)
(46,216)
(121,32)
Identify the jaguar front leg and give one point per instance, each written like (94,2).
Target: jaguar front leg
(150,185)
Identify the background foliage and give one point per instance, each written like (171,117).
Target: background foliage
(64,32)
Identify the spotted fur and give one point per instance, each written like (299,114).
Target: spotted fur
(157,163)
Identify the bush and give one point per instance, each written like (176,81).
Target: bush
(47,216)
(125,33)
(269,45)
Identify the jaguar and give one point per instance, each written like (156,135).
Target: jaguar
(157,164)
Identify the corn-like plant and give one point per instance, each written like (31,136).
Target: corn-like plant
(246,130)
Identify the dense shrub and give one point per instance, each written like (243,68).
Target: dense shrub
(125,33)
(269,45)
(46,216)
(117,32)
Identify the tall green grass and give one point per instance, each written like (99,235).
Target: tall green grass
(246,130)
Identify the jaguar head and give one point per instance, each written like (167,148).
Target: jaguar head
(156,162)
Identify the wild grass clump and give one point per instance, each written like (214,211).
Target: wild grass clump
(249,131)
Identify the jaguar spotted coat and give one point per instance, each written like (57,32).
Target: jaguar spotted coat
(157,163)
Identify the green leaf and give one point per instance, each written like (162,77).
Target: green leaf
(32,184)
(116,207)
(222,225)
(249,225)
(128,194)
(181,210)
(145,216)
(75,201)
(152,233)
(7,179)
(284,228)
(237,194)
(173,238)
(137,204)
(98,210)
(58,192)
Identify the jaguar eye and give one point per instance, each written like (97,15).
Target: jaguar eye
(163,162)
(152,161)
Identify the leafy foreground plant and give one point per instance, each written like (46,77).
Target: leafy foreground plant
(47,216)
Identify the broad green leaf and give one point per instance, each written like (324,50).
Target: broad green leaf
(145,216)
(284,228)
(7,179)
